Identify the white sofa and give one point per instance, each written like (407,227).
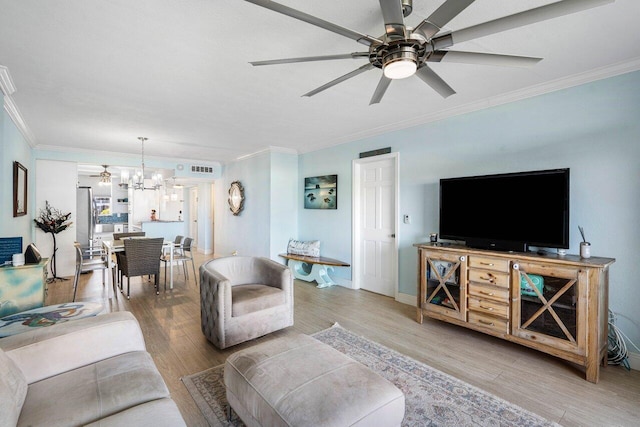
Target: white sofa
(92,371)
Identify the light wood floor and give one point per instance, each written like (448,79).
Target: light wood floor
(542,384)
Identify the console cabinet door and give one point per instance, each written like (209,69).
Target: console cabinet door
(549,305)
(443,284)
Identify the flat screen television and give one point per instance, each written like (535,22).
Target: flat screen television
(507,211)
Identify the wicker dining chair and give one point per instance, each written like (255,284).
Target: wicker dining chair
(119,255)
(141,257)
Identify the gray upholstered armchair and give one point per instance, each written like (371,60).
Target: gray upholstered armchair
(242,298)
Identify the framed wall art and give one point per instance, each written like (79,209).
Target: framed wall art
(19,189)
(321,192)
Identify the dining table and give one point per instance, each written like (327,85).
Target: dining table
(113,246)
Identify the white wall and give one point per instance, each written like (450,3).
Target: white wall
(205,218)
(61,194)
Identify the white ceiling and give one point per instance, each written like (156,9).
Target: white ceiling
(95,75)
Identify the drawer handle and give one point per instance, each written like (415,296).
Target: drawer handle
(489,279)
(484,322)
(490,264)
(486,308)
(487,293)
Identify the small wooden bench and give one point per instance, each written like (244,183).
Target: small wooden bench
(320,267)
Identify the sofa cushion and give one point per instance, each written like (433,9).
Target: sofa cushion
(251,298)
(92,392)
(158,413)
(13,390)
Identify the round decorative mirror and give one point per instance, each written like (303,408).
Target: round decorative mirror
(236,197)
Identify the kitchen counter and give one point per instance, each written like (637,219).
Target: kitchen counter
(167,229)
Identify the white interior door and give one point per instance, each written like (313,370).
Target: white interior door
(375,223)
(193,215)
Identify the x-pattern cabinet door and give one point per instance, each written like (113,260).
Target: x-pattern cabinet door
(443,285)
(549,305)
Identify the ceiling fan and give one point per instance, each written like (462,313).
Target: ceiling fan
(105,175)
(403,51)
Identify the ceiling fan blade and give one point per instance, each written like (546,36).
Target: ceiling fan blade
(483,58)
(441,17)
(428,76)
(531,16)
(347,76)
(354,55)
(305,17)
(393,19)
(383,84)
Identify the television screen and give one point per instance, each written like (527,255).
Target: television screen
(507,211)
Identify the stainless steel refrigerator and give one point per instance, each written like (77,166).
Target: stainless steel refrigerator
(86,217)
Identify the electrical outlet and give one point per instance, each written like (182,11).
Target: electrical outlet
(407,219)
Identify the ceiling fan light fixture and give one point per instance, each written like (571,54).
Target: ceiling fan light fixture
(400,63)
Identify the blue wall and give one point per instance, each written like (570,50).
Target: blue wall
(270,214)
(14,147)
(592,129)
(249,232)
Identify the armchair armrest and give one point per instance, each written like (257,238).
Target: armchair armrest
(66,346)
(275,274)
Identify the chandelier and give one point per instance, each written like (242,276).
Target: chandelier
(138,179)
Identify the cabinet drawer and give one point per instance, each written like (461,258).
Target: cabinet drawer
(487,263)
(489,292)
(486,321)
(489,278)
(483,305)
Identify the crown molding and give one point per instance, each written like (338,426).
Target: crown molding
(6,82)
(269,149)
(8,88)
(80,154)
(517,95)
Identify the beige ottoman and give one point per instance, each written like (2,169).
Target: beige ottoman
(299,381)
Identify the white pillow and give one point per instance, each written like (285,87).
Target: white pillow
(309,248)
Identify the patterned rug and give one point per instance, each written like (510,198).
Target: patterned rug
(432,398)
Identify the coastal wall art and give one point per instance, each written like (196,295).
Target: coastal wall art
(321,192)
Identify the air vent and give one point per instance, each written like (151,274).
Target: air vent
(202,169)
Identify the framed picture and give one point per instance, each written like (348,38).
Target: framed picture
(321,192)
(19,189)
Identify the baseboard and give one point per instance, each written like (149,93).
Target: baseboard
(345,283)
(634,361)
(406,299)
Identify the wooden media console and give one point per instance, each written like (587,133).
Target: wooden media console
(555,304)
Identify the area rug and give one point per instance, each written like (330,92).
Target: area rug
(432,398)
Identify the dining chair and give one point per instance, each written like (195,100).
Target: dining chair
(141,257)
(120,236)
(183,256)
(86,265)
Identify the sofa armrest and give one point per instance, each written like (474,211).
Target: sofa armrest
(50,351)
